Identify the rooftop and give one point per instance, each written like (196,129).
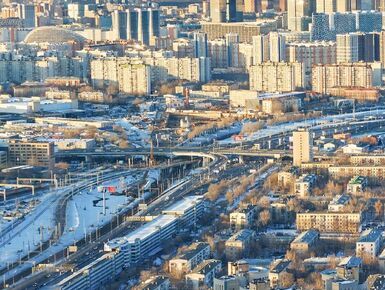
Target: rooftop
(207,266)
(151,228)
(350,262)
(280,265)
(242,235)
(153,283)
(370,236)
(340,200)
(357,180)
(307,237)
(184,205)
(193,250)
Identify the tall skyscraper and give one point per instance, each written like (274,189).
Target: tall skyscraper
(27,12)
(139,24)
(261,49)
(218,11)
(326,6)
(200,44)
(251,6)
(341,23)
(232,42)
(119,24)
(368,21)
(270,47)
(302,147)
(226,11)
(148,24)
(277,45)
(298,13)
(347,48)
(320,27)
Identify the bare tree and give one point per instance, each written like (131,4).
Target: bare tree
(264,217)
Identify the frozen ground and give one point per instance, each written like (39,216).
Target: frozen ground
(84,214)
(36,227)
(85,210)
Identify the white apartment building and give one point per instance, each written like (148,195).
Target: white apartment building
(243,217)
(369,243)
(134,78)
(310,53)
(276,77)
(347,48)
(195,254)
(328,76)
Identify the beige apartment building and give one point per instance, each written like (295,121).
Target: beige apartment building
(277,77)
(330,222)
(31,153)
(367,160)
(353,170)
(302,147)
(245,30)
(328,76)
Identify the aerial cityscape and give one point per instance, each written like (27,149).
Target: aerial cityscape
(192,144)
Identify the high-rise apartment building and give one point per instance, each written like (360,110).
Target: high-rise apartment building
(302,147)
(219,54)
(261,49)
(226,11)
(200,44)
(368,21)
(232,43)
(369,47)
(310,53)
(364,75)
(277,44)
(358,46)
(346,5)
(347,48)
(105,71)
(27,13)
(218,11)
(320,27)
(276,77)
(270,47)
(341,23)
(326,6)
(298,14)
(251,6)
(139,24)
(134,78)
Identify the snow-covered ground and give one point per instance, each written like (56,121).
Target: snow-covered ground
(83,214)
(36,227)
(85,210)
(136,135)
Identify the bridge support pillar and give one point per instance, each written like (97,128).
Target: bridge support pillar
(240,158)
(88,158)
(206,161)
(269,144)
